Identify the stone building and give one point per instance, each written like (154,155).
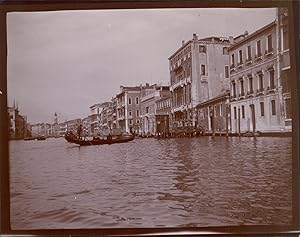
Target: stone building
(95,112)
(163,114)
(199,72)
(284,65)
(149,95)
(128,109)
(256,84)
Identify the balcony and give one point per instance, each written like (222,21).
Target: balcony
(260,91)
(232,67)
(248,61)
(240,64)
(258,57)
(269,52)
(242,95)
(250,94)
(271,89)
(233,97)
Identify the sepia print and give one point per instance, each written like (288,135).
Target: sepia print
(149,118)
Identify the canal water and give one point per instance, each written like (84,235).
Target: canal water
(179,182)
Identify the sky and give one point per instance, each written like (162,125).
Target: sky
(65,61)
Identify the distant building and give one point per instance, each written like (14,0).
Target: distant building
(95,111)
(128,103)
(163,114)
(149,96)
(257,102)
(199,72)
(17,123)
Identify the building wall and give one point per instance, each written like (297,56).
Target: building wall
(262,70)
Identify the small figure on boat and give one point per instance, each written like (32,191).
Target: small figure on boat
(109,137)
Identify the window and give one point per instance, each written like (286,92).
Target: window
(130,122)
(234,89)
(225,50)
(137,100)
(202,69)
(260,81)
(269,43)
(272,82)
(215,111)
(147,110)
(285,37)
(129,100)
(258,49)
(234,112)
(226,72)
(262,109)
(273,105)
(250,84)
(249,52)
(221,109)
(137,121)
(232,59)
(242,86)
(130,113)
(202,49)
(243,111)
(240,57)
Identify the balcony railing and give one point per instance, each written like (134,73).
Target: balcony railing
(248,61)
(240,64)
(271,89)
(232,67)
(269,52)
(258,57)
(260,91)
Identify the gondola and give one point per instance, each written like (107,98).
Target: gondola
(71,138)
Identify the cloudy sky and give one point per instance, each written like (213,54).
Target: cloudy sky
(66,61)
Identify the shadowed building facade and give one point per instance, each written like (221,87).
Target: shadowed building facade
(199,72)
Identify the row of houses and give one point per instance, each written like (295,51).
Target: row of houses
(17,123)
(218,84)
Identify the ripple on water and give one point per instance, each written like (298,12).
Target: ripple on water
(151,183)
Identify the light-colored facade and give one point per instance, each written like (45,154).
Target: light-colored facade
(128,109)
(198,73)
(256,88)
(163,114)
(149,96)
(95,112)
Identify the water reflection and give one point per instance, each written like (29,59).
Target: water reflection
(151,183)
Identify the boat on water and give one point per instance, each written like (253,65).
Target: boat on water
(72,138)
(29,138)
(41,137)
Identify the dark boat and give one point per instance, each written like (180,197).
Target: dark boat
(98,141)
(41,137)
(29,138)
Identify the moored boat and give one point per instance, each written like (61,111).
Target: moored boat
(71,138)
(41,137)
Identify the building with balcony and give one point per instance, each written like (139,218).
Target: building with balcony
(199,72)
(163,114)
(95,112)
(128,109)
(255,86)
(149,95)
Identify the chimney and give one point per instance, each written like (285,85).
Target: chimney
(231,39)
(195,37)
(182,42)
